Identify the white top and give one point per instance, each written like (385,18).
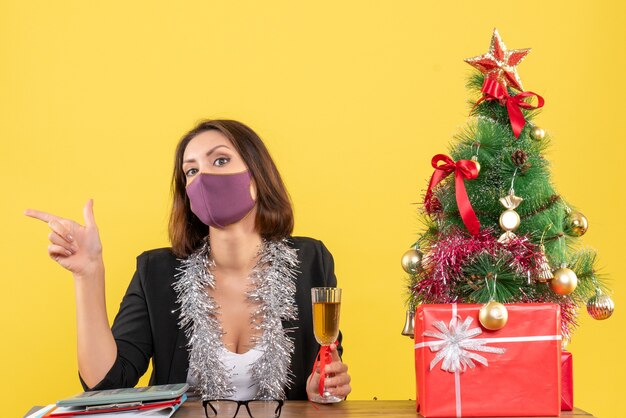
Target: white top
(238,366)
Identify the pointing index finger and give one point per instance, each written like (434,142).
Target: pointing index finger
(42,216)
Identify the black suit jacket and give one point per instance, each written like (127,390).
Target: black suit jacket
(146,326)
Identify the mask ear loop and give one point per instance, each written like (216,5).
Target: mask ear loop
(252,190)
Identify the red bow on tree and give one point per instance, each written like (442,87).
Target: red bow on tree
(494,90)
(463,170)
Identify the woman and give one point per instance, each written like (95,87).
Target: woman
(228,307)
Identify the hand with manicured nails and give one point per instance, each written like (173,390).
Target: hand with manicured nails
(337,378)
(75,247)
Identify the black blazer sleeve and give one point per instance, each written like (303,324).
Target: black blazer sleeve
(133,337)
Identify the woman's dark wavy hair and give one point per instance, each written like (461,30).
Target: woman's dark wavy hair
(274,214)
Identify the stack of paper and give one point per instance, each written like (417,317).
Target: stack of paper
(151,401)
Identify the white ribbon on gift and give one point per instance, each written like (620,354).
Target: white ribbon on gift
(456,346)
(457,343)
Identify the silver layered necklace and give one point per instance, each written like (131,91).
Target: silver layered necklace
(273,289)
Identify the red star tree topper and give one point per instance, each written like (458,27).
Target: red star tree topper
(499,64)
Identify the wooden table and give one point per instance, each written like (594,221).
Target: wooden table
(358,409)
(293,409)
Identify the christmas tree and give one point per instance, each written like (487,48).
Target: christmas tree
(496,229)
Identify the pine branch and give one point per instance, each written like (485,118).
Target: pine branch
(488,278)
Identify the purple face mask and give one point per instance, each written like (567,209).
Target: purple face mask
(220,199)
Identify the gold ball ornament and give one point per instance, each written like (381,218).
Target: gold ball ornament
(509,220)
(537,133)
(412,261)
(564,281)
(475,159)
(600,306)
(577,224)
(493,316)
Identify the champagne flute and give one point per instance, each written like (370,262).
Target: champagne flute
(326,303)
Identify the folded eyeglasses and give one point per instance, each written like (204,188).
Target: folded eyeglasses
(226,408)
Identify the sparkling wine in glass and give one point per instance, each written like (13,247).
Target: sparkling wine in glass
(326,305)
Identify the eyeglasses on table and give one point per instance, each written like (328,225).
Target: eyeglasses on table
(226,408)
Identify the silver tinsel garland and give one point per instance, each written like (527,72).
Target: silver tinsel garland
(273,289)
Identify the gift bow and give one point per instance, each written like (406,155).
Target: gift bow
(493,90)
(463,170)
(456,346)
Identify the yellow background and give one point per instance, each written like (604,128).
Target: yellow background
(352,99)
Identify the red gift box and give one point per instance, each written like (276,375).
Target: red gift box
(463,369)
(567,382)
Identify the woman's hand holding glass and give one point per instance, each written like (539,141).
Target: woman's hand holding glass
(337,382)
(75,247)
